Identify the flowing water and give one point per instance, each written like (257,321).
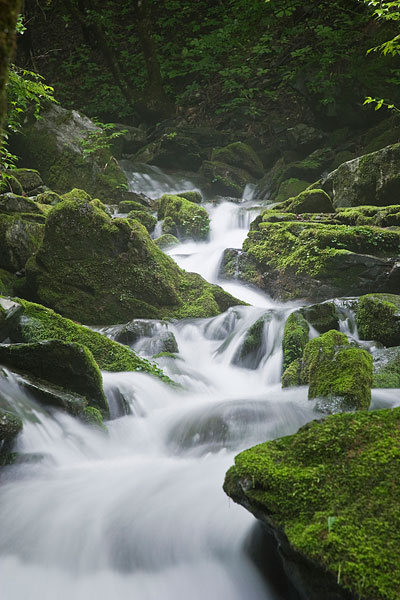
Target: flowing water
(139,513)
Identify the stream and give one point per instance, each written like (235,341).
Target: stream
(140,514)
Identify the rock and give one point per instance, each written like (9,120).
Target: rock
(39,323)
(378,318)
(48,197)
(326,493)
(166,241)
(292,374)
(10,313)
(55,146)
(154,336)
(304,137)
(68,365)
(9,183)
(52,395)
(310,201)
(225,180)
(172,151)
(11,203)
(183,218)
(192,196)
(386,367)
(295,338)
(301,257)
(339,375)
(370,179)
(388,216)
(112,271)
(311,167)
(323,317)
(239,155)
(10,427)
(20,238)
(126,206)
(145,218)
(250,353)
(7,281)
(29,179)
(289,188)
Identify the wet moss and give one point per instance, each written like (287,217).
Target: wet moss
(145,218)
(322,317)
(295,338)
(93,417)
(166,241)
(192,196)
(291,375)
(378,318)
(289,188)
(330,489)
(183,218)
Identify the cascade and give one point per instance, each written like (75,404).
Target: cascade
(139,513)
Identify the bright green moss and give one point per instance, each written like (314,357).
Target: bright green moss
(332,488)
(166,241)
(145,218)
(378,318)
(183,218)
(192,196)
(291,375)
(295,337)
(290,188)
(310,201)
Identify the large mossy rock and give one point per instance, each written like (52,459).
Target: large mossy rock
(239,155)
(370,179)
(20,238)
(295,338)
(39,323)
(55,145)
(328,494)
(378,318)
(339,375)
(68,365)
(225,180)
(182,218)
(316,258)
(310,201)
(99,270)
(172,151)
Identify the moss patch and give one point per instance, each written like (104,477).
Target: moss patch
(295,337)
(378,318)
(183,218)
(332,488)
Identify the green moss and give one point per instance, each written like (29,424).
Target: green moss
(8,183)
(387,368)
(289,188)
(165,355)
(192,196)
(126,206)
(20,238)
(291,375)
(48,198)
(145,218)
(295,337)
(166,241)
(239,155)
(322,316)
(378,318)
(40,324)
(224,179)
(93,417)
(249,354)
(386,216)
(310,201)
(338,374)
(184,218)
(7,281)
(28,178)
(330,488)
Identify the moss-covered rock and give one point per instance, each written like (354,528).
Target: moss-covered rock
(378,318)
(239,155)
(311,167)
(295,338)
(68,365)
(327,495)
(113,271)
(289,188)
(250,351)
(145,218)
(387,216)
(55,146)
(9,183)
(172,150)
(370,179)
(339,375)
(39,324)
(192,196)
(7,281)
(127,206)
(310,201)
(20,238)
(292,374)
(322,317)
(183,218)
(315,260)
(224,179)
(93,417)
(48,198)
(11,203)
(29,179)
(386,367)
(166,241)
(49,394)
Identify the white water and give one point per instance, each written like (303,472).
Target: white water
(140,514)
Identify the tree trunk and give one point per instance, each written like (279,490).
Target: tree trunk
(9,10)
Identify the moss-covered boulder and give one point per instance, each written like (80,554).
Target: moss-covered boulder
(29,179)
(69,365)
(328,495)
(48,198)
(239,155)
(183,218)
(127,206)
(11,203)
(9,183)
(111,271)
(310,201)
(192,196)
(378,318)
(166,241)
(225,180)
(145,218)
(20,238)
(370,179)
(295,338)
(386,367)
(295,257)
(39,323)
(291,376)
(289,188)
(322,317)
(339,375)
(63,145)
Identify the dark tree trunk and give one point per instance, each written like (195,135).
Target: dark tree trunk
(9,10)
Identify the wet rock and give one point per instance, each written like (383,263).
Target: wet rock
(171,151)
(11,203)
(251,352)
(183,218)
(51,395)
(68,365)
(192,196)
(295,338)
(289,188)
(304,137)
(154,336)
(309,489)
(339,375)
(378,318)
(10,427)
(224,179)
(10,313)
(20,238)
(370,179)
(239,155)
(145,218)
(323,317)
(29,179)
(166,241)
(386,367)
(310,201)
